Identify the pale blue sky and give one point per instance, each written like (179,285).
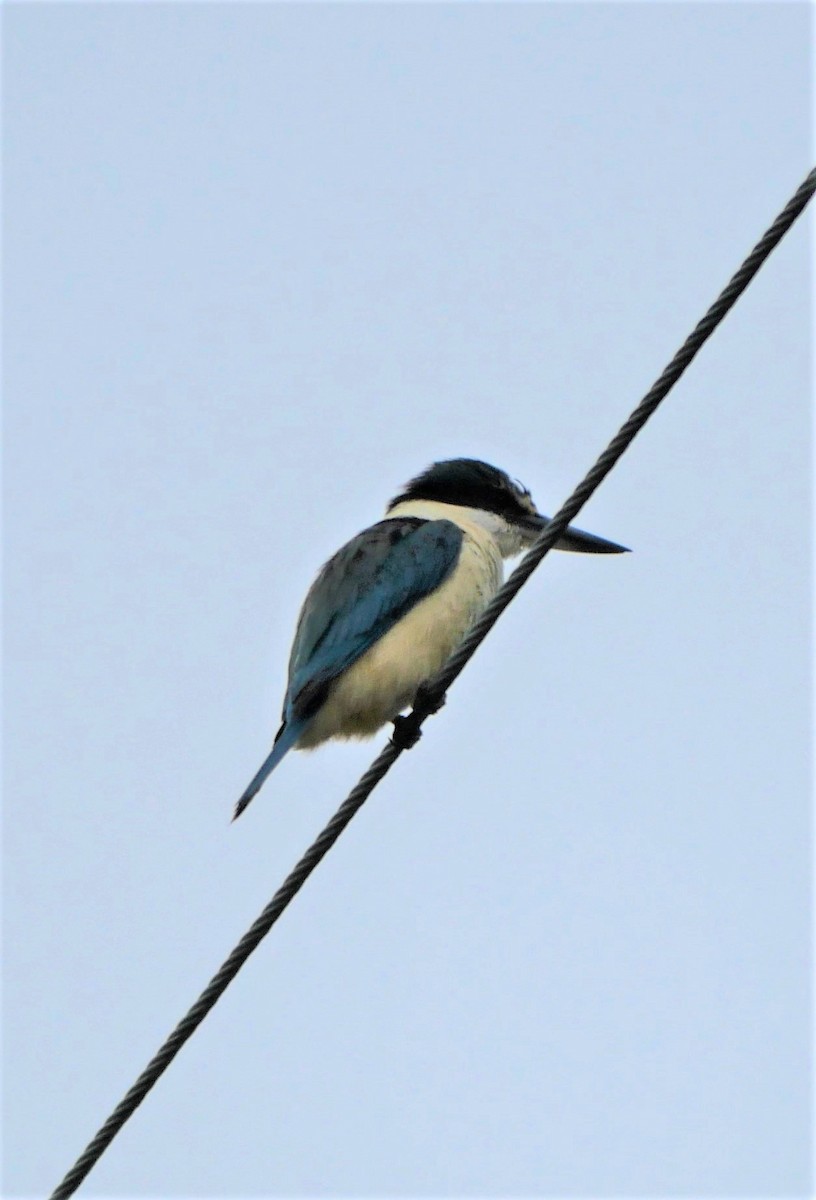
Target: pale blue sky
(263,263)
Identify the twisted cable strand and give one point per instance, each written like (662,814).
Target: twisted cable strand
(436,688)
(226,973)
(433,693)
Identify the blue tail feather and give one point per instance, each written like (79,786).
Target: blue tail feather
(287,735)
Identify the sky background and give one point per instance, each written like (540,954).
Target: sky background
(263,264)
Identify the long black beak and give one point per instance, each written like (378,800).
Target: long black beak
(574,539)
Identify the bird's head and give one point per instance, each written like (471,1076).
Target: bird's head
(495,501)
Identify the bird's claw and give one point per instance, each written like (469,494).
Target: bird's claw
(407,729)
(426,702)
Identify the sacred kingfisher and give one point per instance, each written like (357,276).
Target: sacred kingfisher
(391,606)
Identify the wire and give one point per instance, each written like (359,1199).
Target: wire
(433,694)
(435,689)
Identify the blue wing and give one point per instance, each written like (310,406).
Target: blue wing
(359,595)
(373,581)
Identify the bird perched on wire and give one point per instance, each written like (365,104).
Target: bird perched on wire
(390,607)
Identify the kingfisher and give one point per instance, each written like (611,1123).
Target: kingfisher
(390,607)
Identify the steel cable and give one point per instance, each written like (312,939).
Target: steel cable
(434,693)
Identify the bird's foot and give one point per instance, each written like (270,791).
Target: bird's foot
(426,703)
(407,729)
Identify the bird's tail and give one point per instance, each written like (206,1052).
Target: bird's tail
(285,739)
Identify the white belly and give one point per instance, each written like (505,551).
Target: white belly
(384,681)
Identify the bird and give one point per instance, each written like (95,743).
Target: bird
(391,606)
